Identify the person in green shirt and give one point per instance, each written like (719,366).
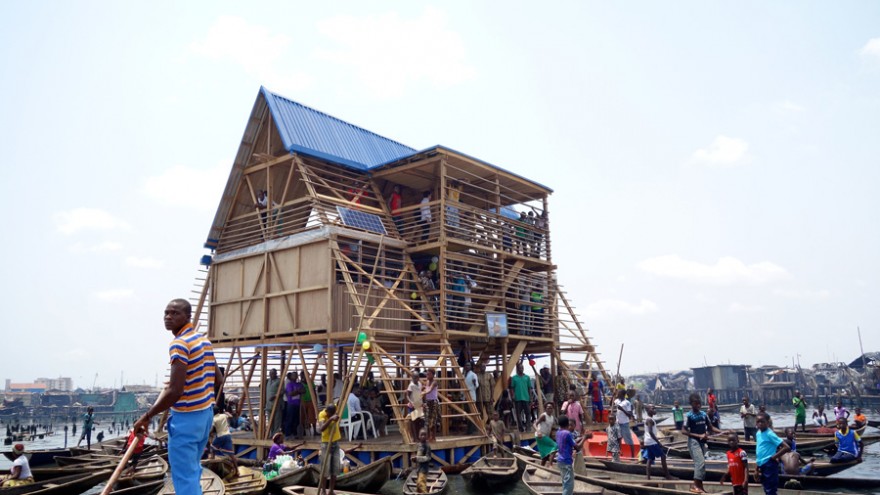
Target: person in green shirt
(800,411)
(521,385)
(677,415)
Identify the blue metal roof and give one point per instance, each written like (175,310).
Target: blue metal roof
(313,133)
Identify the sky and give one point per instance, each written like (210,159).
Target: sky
(714,164)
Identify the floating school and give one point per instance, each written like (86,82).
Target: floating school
(346,256)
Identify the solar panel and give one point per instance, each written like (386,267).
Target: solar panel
(361,220)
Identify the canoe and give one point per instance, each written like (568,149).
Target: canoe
(369,478)
(65,485)
(715,470)
(98,447)
(248,481)
(304,476)
(437,482)
(544,481)
(720,444)
(311,490)
(41,457)
(86,459)
(149,488)
(672,487)
(492,471)
(211,484)
(150,469)
(874,423)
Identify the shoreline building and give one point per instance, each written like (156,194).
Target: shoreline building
(338,251)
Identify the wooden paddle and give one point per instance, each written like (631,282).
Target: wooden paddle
(118,471)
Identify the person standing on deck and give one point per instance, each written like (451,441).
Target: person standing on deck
(292,393)
(88,425)
(431,401)
(425,215)
(749,416)
(800,411)
(414,404)
(596,391)
(547,384)
(473,384)
(394,204)
(486,390)
(521,385)
(769,449)
(273,383)
(561,386)
(190,396)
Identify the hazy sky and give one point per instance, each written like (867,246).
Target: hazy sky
(715,164)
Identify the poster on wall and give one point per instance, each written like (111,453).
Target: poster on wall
(496,324)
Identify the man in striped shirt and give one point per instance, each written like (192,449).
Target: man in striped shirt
(190,396)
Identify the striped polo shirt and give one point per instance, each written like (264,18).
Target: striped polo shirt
(194,350)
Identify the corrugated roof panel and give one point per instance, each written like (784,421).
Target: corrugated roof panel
(308,131)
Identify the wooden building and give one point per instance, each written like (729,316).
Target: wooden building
(308,255)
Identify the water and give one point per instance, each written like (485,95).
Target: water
(870,468)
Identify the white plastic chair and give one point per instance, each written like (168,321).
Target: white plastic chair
(352,427)
(367,421)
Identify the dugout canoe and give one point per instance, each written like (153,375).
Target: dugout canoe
(65,485)
(44,457)
(304,476)
(148,488)
(720,444)
(673,487)
(437,481)
(211,484)
(312,490)
(543,481)
(248,481)
(368,479)
(491,471)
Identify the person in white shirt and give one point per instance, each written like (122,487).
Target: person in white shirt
(624,416)
(20,474)
(473,383)
(425,215)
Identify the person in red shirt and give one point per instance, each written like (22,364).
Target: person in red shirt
(138,450)
(711,399)
(394,205)
(737,466)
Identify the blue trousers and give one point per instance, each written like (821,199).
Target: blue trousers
(770,477)
(187,437)
(567,472)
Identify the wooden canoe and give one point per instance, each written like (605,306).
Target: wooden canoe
(211,484)
(369,478)
(492,471)
(65,485)
(720,444)
(672,487)
(304,476)
(43,457)
(249,481)
(437,482)
(714,472)
(544,481)
(148,488)
(311,490)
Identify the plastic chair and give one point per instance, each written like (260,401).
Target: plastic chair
(367,421)
(352,427)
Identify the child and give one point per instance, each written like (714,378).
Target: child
(768,450)
(652,444)
(572,408)
(792,462)
(423,458)
(849,444)
(697,428)
(496,428)
(737,466)
(613,433)
(677,415)
(136,456)
(565,459)
(859,418)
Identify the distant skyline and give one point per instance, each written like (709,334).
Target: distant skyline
(714,164)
